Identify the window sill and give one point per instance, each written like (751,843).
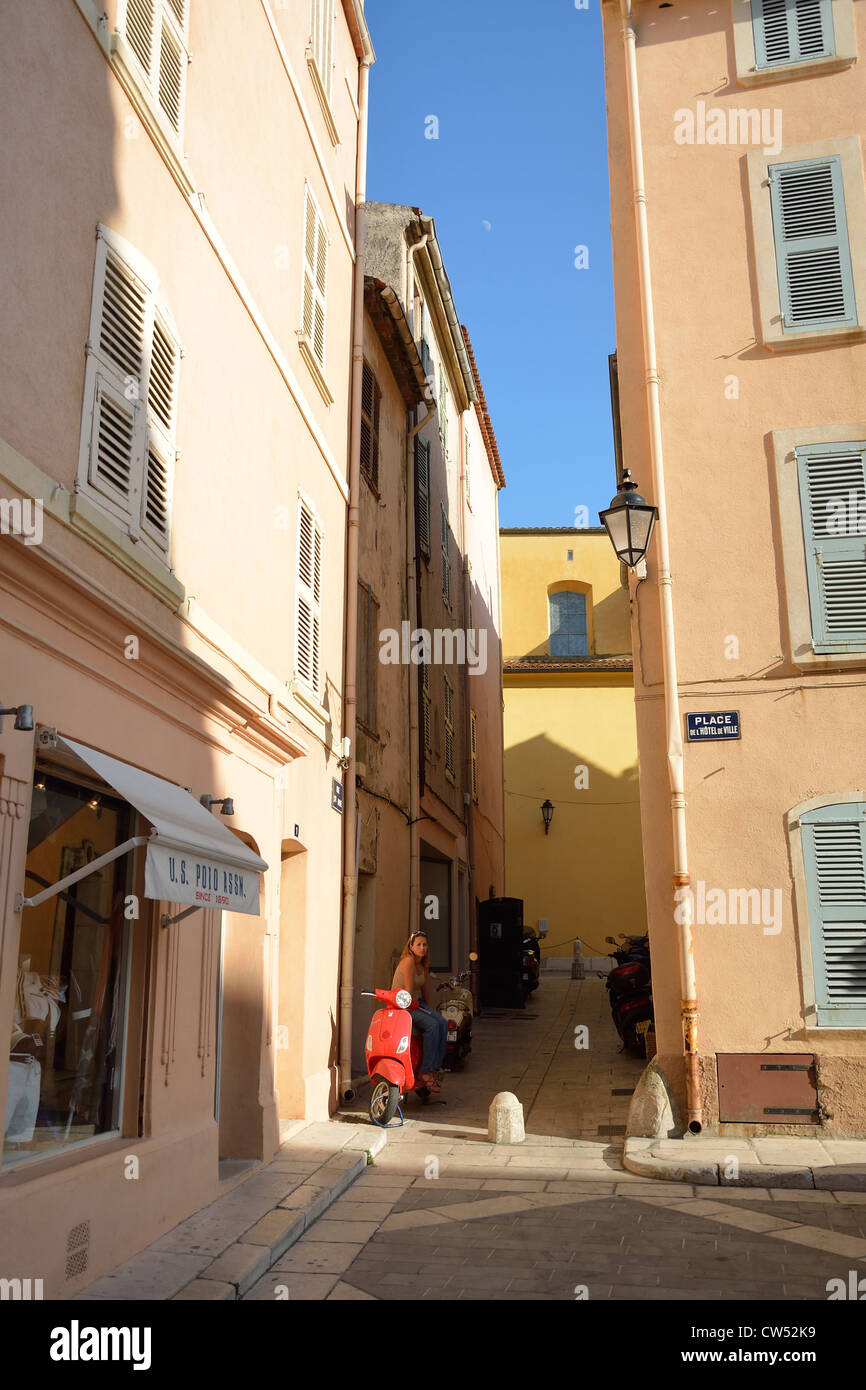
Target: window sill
(309,701)
(109,537)
(814,337)
(315,370)
(324,102)
(781,72)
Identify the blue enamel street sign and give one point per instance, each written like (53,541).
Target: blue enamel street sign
(717,724)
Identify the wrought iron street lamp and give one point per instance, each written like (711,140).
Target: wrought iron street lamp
(547,813)
(629,521)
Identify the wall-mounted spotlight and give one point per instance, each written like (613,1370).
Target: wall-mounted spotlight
(23,717)
(226,804)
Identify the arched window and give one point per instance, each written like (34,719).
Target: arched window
(568,631)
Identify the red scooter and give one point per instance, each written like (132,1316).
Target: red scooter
(393,1055)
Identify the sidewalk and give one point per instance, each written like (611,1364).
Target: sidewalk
(222,1250)
(829,1165)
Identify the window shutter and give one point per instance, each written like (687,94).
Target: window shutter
(322,39)
(833,503)
(422,490)
(568,631)
(309,596)
(834,853)
(473,744)
(466,466)
(443,409)
(156,32)
(449,728)
(315,277)
(425,700)
(370,404)
(813,258)
(446,557)
(792,31)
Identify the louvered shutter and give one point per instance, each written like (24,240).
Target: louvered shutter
(446,555)
(832,481)
(473,748)
(156,32)
(834,853)
(422,489)
(813,258)
(792,31)
(466,466)
(370,404)
(315,277)
(322,40)
(425,701)
(309,597)
(449,727)
(115,379)
(443,409)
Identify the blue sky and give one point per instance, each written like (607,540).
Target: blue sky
(518,91)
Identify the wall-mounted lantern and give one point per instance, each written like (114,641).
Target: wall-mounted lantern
(547,813)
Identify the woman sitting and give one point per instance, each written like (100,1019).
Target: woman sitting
(413,974)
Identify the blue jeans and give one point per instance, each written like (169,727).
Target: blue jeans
(434,1030)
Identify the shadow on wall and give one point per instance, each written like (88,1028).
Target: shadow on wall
(586,875)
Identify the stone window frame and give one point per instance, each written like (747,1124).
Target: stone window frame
(749,75)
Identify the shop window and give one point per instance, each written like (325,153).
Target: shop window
(66,1063)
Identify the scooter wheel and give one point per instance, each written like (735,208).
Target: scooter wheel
(384,1101)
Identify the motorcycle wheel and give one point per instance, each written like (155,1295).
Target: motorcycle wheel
(384,1101)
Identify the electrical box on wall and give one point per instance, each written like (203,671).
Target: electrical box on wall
(768,1088)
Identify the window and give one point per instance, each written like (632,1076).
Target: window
(832,479)
(66,1064)
(370,399)
(127,454)
(449,730)
(834,855)
(422,494)
(322,41)
(368,657)
(309,596)
(443,410)
(425,704)
(156,31)
(813,258)
(446,555)
(315,284)
(568,631)
(473,748)
(791,31)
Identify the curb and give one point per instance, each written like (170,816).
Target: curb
(233,1273)
(637,1159)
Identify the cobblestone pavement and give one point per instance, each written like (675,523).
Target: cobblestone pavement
(443,1214)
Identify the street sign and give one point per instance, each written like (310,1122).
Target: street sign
(715,724)
(337,795)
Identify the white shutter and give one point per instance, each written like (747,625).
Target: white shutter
(315,282)
(309,596)
(156,31)
(322,39)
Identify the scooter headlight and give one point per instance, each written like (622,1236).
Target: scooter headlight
(403,1044)
(403,999)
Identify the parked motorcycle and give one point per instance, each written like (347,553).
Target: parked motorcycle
(457,1008)
(393,1054)
(530,961)
(629,987)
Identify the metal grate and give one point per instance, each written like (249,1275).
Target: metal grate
(77,1249)
(79,1235)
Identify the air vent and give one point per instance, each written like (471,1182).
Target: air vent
(77,1250)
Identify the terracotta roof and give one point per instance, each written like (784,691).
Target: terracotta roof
(580,663)
(399,349)
(484,418)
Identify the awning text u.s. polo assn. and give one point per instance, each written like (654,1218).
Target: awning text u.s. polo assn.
(190,857)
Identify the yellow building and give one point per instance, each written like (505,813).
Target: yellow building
(570,738)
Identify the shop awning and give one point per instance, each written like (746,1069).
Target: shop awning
(190,857)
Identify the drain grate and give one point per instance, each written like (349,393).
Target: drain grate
(610,1131)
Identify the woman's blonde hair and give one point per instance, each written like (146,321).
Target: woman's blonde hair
(407,951)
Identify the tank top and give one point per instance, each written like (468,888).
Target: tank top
(418,985)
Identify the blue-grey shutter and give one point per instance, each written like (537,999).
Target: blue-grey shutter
(834,853)
(792,31)
(422,493)
(813,257)
(832,481)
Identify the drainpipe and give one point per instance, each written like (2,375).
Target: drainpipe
(467,696)
(350,814)
(681,879)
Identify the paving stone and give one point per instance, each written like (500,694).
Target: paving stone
(318,1257)
(206,1290)
(147,1277)
(842,1178)
(293,1286)
(408,1220)
(345,1292)
(771,1175)
(346,1210)
(241,1265)
(834,1242)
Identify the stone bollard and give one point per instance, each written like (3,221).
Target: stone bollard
(578,969)
(505,1120)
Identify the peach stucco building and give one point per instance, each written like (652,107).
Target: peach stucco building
(174,439)
(739,247)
